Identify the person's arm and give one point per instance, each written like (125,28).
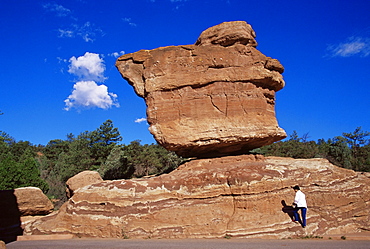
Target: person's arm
(296,199)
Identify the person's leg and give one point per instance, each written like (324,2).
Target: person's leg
(303,214)
(296,215)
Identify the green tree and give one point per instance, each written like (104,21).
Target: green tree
(102,140)
(117,165)
(340,153)
(150,159)
(357,138)
(20,174)
(79,157)
(62,159)
(295,147)
(359,144)
(9,173)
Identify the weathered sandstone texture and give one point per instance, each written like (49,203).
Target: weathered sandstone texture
(213,98)
(80,180)
(20,202)
(29,201)
(240,196)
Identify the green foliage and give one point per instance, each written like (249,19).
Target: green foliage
(18,164)
(117,165)
(311,237)
(99,150)
(20,174)
(294,147)
(49,167)
(351,151)
(136,160)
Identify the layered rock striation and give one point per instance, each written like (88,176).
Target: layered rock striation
(239,196)
(213,98)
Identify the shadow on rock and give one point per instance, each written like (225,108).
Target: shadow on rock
(10,217)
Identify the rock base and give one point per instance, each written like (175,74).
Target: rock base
(237,196)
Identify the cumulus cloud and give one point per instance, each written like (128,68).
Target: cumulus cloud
(59,10)
(140,120)
(88,67)
(353,46)
(87,94)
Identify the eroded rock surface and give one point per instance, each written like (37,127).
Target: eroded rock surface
(80,180)
(18,203)
(241,196)
(213,98)
(31,201)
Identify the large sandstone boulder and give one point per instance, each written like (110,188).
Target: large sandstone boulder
(213,98)
(240,196)
(32,201)
(80,180)
(20,202)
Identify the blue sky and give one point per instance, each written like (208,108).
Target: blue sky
(58,75)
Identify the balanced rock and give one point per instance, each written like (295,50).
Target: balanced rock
(243,196)
(213,98)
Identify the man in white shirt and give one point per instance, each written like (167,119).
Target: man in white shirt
(299,204)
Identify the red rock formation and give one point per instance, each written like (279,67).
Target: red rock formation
(32,201)
(239,196)
(214,98)
(20,202)
(80,180)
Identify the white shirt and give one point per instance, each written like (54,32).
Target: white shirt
(300,199)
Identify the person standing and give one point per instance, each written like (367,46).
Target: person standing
(299,204)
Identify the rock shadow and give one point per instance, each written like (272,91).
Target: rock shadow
(289,210)
(10,217)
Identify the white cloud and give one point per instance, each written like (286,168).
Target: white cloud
(66,33)
(88,32)
(117,54)
(140,120)
(128,20)
(58,9)
(87,94)
(353,46)
(88,67)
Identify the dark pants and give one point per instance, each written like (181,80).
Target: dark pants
(303,214)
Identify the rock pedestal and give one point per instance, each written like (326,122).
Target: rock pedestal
(237,196)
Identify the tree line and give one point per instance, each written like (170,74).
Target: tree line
(50,166)
(351,150)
